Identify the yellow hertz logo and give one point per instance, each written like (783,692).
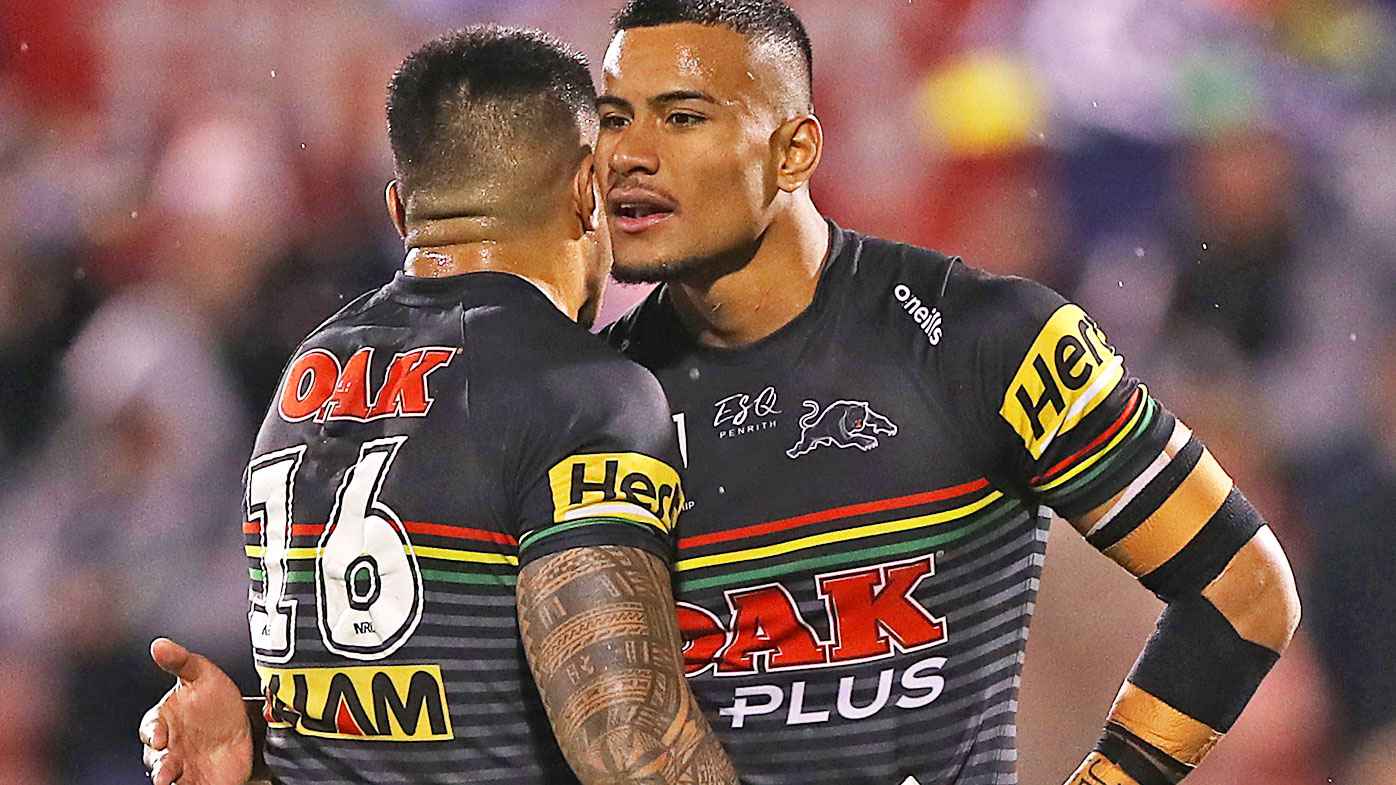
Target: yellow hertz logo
(623,485)
(1068,371)
(391,703)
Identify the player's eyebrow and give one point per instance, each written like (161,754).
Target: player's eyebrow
(613,101)
(667,97)
(673,96)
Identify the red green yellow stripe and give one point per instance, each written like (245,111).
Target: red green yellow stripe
(412,527)
(863,508)
(842,535)
(1109,432)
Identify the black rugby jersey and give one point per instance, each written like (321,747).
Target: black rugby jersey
(866,520)
(426,441)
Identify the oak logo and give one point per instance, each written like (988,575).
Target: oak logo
(870,612)
(317,386)
(1067,372)
(389,703)
(626,485)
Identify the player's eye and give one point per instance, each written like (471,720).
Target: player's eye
(684,119)
(614,122)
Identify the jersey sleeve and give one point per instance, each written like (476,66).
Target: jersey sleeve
(1071,427)
(606,474)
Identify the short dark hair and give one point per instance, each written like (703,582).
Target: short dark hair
(757,20)
(473,105)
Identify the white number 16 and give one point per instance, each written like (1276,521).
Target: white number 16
(367,581)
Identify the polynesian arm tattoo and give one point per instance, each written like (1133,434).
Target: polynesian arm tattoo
(602,639)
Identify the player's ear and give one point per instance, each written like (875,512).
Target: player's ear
(585,191)
(396,209)
(799,143)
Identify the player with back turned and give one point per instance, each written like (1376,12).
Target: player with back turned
(450,453)
(872,432)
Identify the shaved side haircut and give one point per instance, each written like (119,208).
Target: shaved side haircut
(762,22)
(480,119)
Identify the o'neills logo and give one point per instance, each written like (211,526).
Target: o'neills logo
(926,318)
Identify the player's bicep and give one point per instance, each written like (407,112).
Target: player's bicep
(1183,528)
(1176,523)
(603,643)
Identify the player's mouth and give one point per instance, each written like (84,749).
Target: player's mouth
(634,210)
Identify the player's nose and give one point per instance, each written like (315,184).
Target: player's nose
(634,151)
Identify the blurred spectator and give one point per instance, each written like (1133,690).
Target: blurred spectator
(188,186)
(1350,492)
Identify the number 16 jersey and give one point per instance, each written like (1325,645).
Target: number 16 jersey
(427,441)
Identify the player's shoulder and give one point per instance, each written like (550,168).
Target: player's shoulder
(905,286)
(993,304)
(561,369)
(354,313)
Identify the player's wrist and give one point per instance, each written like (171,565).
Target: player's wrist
(1121,758)
(1100,770)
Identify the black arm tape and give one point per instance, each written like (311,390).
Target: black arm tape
(1143,762)
(1197,663)
(1207,554)
(1150,497)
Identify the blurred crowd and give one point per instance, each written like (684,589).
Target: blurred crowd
(189,186)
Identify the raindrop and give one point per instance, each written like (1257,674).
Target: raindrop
(79,273)
(693,374)
(273,74)
(1139,252)
(1351,337)
(24,46)
(1204,246)
(134,213)
(302,145)
(1095,105)
(1032,192)
(721,489)
(1120,284)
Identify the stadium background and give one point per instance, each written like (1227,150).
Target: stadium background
(188,186)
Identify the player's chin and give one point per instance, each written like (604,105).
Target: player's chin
(643,265)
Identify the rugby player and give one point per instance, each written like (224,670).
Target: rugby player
(872,435)
(459,508)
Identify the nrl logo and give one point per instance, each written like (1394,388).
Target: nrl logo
(841,424)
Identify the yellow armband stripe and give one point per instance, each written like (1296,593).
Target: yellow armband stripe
(1170,731)
(1173,525)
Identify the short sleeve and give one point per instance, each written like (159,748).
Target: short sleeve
(1071,426)
(606,473)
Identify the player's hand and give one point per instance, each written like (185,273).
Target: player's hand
(198,733)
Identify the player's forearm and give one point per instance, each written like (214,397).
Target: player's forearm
(258,722)
(603,642)
(1193,539)
(1198,671)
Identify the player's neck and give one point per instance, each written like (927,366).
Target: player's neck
(765,294)
(528,261)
